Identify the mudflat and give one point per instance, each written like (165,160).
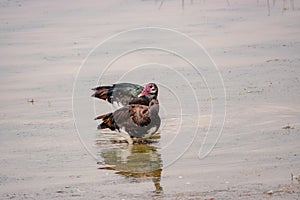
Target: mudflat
(243,115)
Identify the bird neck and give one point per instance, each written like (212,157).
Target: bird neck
(151,96)
(153,110)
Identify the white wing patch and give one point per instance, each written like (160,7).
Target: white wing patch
(117,105)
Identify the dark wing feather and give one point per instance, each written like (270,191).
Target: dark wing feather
(121,116)
(140,101)
(121,93)
(128,88)
(139,114)
(107,122)
(115,120)
(103,92)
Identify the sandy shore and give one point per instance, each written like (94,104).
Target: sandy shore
(43,45)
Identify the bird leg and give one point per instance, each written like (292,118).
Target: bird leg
(125,135)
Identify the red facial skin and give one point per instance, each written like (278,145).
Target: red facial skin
(146,90)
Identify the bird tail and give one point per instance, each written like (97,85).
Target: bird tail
(103,92)
(107,122)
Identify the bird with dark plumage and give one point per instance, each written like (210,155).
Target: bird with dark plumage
(134,120)
(123,94)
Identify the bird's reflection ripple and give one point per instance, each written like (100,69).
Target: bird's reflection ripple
(140,161)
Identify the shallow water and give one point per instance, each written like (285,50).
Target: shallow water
(45,156)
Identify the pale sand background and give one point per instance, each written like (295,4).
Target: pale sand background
(42,45)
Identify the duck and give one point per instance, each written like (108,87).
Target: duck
(123,94)
(134,121)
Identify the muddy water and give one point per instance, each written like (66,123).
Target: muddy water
(44,157)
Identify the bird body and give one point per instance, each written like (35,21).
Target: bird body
(133,121)
(122,94)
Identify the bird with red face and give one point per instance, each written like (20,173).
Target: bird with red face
(122,94)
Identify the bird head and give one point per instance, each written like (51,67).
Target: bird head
(151,90)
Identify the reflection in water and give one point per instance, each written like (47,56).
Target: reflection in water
(137,161)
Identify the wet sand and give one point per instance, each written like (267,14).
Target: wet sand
(44,44)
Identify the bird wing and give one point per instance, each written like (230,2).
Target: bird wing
(143,100)
(139,114)
(119,94)
(128,89)
(107,122)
